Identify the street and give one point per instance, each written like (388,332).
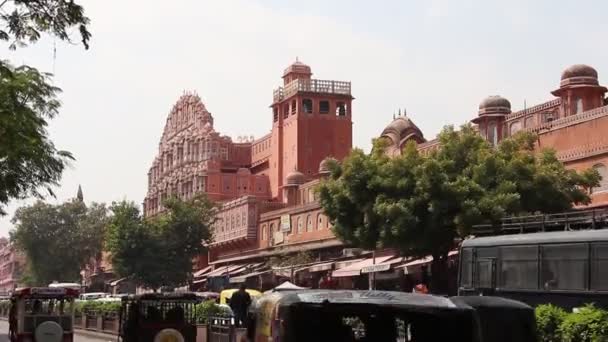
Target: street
(78,338)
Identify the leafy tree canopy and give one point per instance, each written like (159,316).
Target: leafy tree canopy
(26,20)
(58,240)
(28,159)
(159,251)
(421,203)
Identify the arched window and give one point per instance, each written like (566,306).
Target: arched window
(320,221)
(578,105)
(307,106)
(341,109)
(264,232)
(309,223)
(323,107)
(300,225)
(603,171)
(293,107)
(515,127)
(493,133)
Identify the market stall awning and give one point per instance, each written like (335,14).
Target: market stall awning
(244,277)
(117,281)
(200,281)
(421,261)
(321,267)
(383,266)
(202,272)
(355,269)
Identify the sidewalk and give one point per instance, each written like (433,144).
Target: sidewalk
(95,334)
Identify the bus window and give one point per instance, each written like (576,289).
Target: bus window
(564,267)
(519,267)
(599,265)
(466,268)
(484,267)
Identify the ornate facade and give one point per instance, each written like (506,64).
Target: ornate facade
(12,265)
(265,185)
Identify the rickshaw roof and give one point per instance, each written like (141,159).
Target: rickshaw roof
(384,298)
(491,302)
(229,292)
(166,296)
(44,292)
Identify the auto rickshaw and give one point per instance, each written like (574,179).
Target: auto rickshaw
(42,314)
(158,317)
(501,319)
(227,294)
(379,316)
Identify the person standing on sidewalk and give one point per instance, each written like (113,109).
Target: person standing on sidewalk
(239,303)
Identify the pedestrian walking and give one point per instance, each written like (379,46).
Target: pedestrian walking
(239,303)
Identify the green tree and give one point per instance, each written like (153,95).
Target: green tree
(421,203)
(26,20)
(28,159)
(58,240)
(159,251)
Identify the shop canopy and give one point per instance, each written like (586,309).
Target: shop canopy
(383,266)
(420,262)
(354,270)
(202,272)
(243,278)
(288,286)
(232,270)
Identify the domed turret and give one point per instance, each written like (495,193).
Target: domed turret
(324,166)
(297,70)
(401,130)
(494,105)
(295,178)
(579,90)
(579,73)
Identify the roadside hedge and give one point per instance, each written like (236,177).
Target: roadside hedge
(589,324)
(94,307)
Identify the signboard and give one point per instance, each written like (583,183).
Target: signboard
(376,268)
(278,238)
(286,223)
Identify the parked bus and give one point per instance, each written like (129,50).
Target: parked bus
(566,268)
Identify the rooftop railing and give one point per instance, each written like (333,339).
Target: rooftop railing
(571,119)
(571,220)
(311,86)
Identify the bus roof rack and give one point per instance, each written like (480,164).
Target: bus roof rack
(571,220)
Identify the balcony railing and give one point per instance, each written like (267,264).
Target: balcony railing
(572,119)
(312,86)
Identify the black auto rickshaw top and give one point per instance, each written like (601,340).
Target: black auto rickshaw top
(144,316)
(347,315)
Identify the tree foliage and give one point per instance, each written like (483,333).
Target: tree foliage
(286,260)
(28,159)
(26,20)
(421,203)
(58,240)
(159,251)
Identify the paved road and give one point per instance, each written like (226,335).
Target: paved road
(78,338)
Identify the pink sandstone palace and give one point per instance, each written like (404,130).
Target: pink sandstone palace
(266,186)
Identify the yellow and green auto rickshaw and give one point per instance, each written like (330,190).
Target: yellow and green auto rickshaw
(227,294)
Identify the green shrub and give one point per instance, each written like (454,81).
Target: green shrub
(94,307)
(590,324)
(548,320)
(203,310)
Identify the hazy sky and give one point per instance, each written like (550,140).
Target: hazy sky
(437,58)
